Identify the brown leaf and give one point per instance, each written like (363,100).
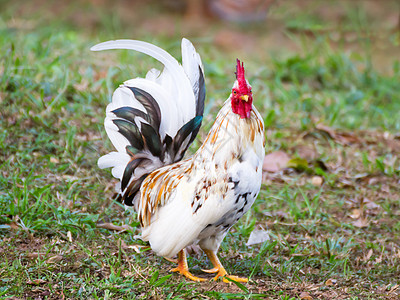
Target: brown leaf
(54,259)
(305,296)
(35,255)
(361,223)
(281,214)
(356,213)
(307,152)
(54,160)
(136,248)
(330,131)
(344,138)
(378,260)
(371,204)
(111,226)
(275,161)
(36,282)
(347,138)
(13,225)
(368,256)
(330,282)
(394,288)
(345,182)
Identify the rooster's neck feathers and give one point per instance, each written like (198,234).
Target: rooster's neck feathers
(231,135)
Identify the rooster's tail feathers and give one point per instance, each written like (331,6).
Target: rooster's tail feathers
(152,121)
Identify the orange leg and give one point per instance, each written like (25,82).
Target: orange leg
(219,269)
(183,269)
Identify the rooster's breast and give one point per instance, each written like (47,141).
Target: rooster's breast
(244,181)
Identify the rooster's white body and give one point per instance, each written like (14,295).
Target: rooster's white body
(151,122)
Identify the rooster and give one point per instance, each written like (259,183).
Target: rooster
(151,122)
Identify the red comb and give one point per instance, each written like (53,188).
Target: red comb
(240,72)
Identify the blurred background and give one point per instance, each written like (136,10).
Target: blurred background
(257,27)
(292,49)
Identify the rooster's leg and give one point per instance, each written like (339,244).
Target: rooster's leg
(172,260)
(183,269)
(219,269)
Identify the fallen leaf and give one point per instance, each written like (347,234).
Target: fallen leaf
(370,204)
(35,255)
(54,160)
(378,260)
(307,152)
(136,248)
(281,214)
(347,138)
(54,259)
(345,182)
(328,130)
(361,177)
(361,223)
(355,213)
(394,288)
(305,296)
(258,236)
(13,225)
(344,138)
(373,180)
(111,226)
(275,161)
(368,256)
(330,282)
(36,282)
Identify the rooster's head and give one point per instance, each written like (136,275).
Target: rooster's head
(241,96)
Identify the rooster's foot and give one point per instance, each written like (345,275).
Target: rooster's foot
(220,270)
(187,274)
(183,269)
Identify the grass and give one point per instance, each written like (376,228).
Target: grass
(334,240)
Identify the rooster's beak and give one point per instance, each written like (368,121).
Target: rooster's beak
(245,98)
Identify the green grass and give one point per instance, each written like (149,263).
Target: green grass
(53,94)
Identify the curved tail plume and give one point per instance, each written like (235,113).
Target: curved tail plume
(152,121)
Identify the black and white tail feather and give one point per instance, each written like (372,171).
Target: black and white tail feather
(152,121)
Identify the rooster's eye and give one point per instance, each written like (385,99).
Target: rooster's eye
(234,92)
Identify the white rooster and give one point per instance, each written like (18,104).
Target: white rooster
(151,122)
